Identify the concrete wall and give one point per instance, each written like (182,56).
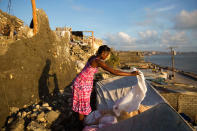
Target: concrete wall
(32,68)
(188,105)
(183,103)
(129,57)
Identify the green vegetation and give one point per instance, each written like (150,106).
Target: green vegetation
(113,61)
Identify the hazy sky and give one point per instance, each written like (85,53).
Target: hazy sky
(122,24)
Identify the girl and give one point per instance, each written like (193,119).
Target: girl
(83,83)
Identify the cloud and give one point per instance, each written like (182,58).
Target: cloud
(79,8)
(165,8)
(155,18)
(120,40)
(148,40)
(148,34)
(186,20)
(174,39)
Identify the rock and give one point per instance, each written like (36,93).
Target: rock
(41,115)
(42,119)
(24,114)
(37,106)
(34,126)
(49,108)
(46,108)
(33,115)
(52,116)
(10,120)
(19,114)
(61,91)
(28,113)
(14,110)
(45,105)
(18,125)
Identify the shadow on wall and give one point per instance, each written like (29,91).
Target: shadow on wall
(63,101)
(43,84)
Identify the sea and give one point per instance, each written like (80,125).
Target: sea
(186,62)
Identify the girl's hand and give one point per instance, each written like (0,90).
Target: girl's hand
(135,73)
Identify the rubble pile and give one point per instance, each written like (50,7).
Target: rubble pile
(80,55)
(12,29)
(9,24)
(54,114)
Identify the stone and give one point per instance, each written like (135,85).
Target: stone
(28,113)
(41,117)
(10,120)
(46,108)
(35,110)
(45,105)
(34,115)
(34,126)
(18,125)
(52,116)
(19,114)
(37,106)
(49,108)
(14,110)
(41,120)
(24,114)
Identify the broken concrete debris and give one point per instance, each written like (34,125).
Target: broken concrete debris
(41,116)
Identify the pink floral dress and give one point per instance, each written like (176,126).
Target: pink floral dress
(82,88)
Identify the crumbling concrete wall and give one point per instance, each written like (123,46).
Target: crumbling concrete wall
(32,68)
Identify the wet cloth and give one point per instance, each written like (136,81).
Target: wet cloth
(82,88)
(134,97)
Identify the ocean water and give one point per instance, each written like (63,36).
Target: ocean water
(185,62)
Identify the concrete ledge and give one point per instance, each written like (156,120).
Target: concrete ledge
(159,118)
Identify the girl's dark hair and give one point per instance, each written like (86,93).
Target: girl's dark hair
(103,48)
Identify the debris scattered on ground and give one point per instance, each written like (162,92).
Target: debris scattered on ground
(54,114)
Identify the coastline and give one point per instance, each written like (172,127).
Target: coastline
(185,73)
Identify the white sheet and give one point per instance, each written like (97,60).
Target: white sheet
(133,99)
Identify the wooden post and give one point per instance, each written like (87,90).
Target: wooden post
(11,32)
(34,16)
(172,56)
(93,39)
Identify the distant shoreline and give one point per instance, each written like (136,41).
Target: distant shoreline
(151,53)
(185,73)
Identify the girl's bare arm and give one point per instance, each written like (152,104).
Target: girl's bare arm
(113,71)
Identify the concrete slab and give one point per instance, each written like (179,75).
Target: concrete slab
(159,118)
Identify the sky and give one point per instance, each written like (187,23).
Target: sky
(145,25)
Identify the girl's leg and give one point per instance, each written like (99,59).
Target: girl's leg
(81,117)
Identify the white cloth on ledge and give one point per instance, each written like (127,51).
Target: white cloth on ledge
(133,99)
